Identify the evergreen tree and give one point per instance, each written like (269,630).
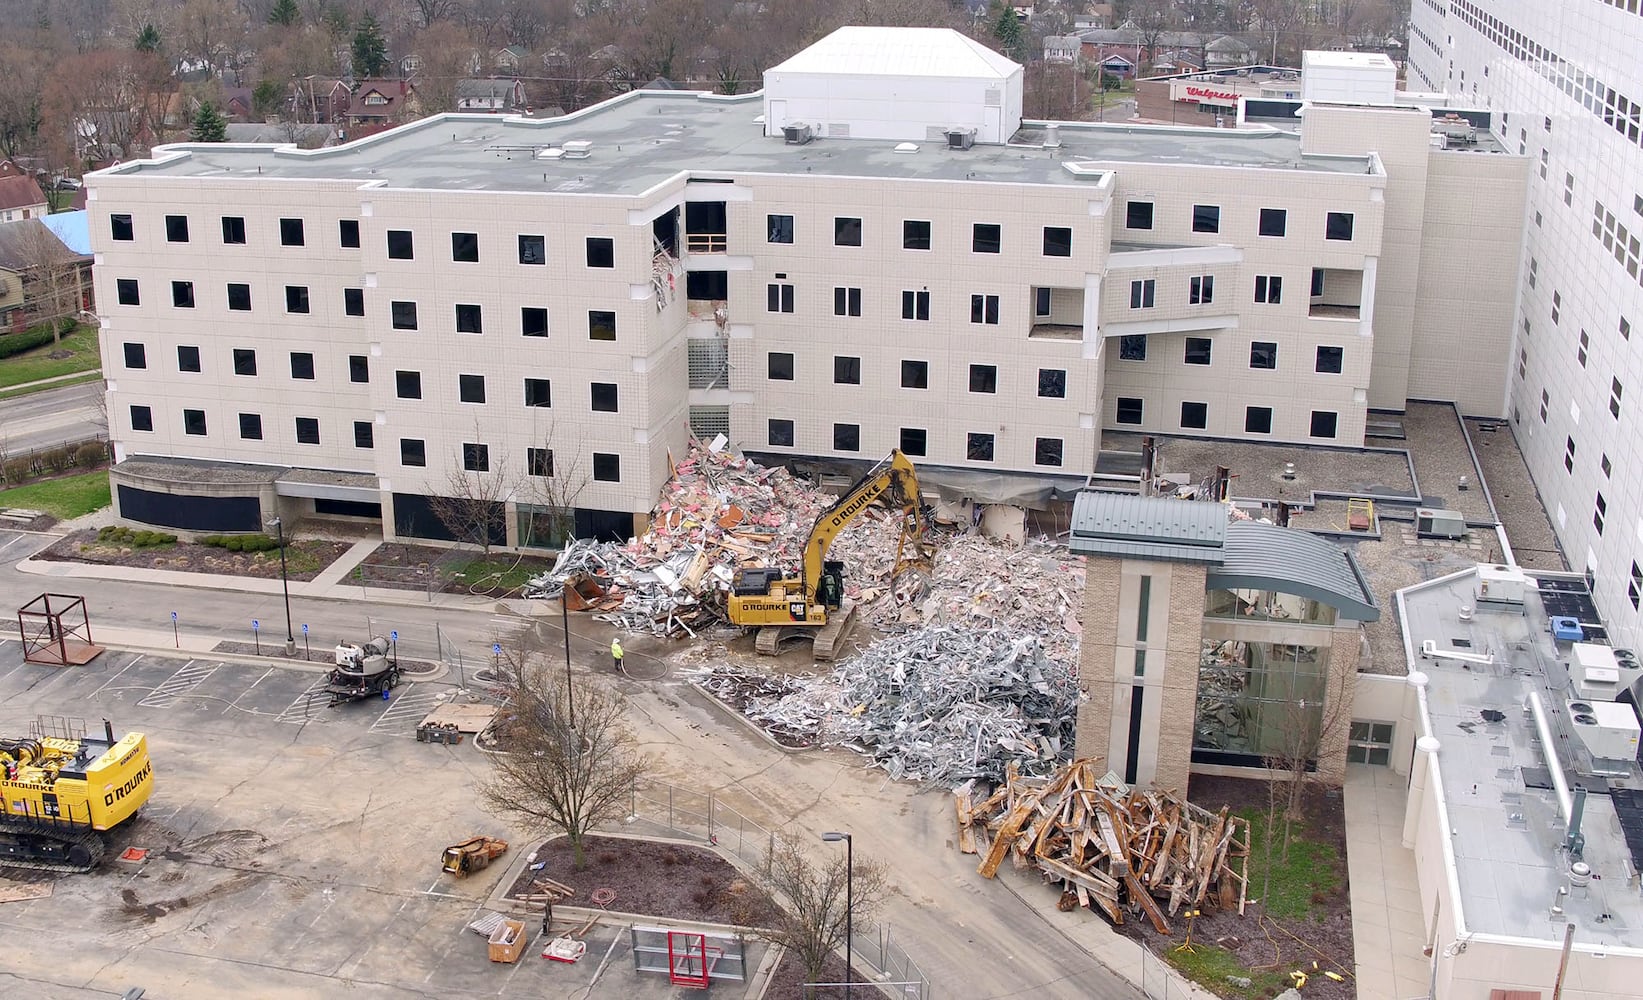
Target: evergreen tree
(1007,29)
(285,14)
(148,39)
(370,49)
(209,125)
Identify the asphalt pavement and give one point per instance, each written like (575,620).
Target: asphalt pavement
(52,417)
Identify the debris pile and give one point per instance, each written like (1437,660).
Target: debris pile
(1110,847)
(755,695)
(938,704)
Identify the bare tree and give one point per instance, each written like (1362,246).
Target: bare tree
(448,57)
(558,775)
(812,901)
(472,504)
(51,277)
(24,70)
(1057,91)
(1313,728)
(554,479)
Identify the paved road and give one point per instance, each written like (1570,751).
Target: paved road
(52,417)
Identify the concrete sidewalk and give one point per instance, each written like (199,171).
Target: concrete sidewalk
(46,383)
(1388,931)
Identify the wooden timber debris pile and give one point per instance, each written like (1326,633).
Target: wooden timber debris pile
(1109,846)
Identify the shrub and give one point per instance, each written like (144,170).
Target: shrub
(143,539)
(56,459)
(90,455)
(17,343)
(17,470)
(105,531)
(234,544)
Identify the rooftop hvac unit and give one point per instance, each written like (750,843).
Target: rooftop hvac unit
(1440,523)
(960,137)
(797,133)
(1609,731)
(1501,585)
(578,149)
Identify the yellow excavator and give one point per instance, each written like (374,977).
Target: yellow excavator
(60,794)
(812,604)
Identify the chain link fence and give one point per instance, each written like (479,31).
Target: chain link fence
(700,815)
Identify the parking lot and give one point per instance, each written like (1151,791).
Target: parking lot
(293,848)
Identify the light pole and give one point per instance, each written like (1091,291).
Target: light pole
(278,524)
(564,619)
(849,902)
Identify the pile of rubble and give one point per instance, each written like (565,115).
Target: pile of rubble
(1104,842)
(938,704)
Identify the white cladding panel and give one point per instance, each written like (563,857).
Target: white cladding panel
(903,108)
(1360,81)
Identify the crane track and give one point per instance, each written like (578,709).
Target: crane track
(91,840)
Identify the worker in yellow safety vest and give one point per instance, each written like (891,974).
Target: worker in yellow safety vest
(616,654)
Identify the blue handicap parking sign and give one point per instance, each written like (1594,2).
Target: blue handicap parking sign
(173,616)
(304,628)
(254,625)
(496,648)
(394,635)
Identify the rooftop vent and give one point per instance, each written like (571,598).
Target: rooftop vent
(960,137)
(578,149)
(797,133)
(907,147)
(1052,136)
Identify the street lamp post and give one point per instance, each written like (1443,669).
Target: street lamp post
(570,696)
(278,524)
(849,903)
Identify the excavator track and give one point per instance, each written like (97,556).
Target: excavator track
(81,850)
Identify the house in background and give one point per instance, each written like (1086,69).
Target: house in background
(383,101)
(509,58)
(40,277)
(1061,48)
(20,195)
(490,96)
(238,103)
(320,99)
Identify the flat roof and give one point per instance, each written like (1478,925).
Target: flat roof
(1507,833)
(646,137)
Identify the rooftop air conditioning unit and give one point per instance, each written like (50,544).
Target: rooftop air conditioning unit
(960,137)
(1440,523)
(1608,731)
(797,133)
(578,149)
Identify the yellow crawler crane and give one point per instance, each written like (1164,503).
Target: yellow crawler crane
(812,604)
(61,793)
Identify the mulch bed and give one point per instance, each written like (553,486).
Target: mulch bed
(788,981)
(398,566)
(308,557)
(1256,939)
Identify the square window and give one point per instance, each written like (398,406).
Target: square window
(533,321)
(1195,416)
(359,368)
(983,378)
(1041,302)
(194,422)
(915,305)
(1047,451)
(1197,351)
(413,452)
(914,441)
(538,392)
(847,302)
(1324,423)
(136,356)
(1258,420)
(468,319)
(533,249)
(978,447)
(607,468)
(465,248)
(239,297)
(401,245)
(986,237)
(408,385)
(1052,383)
(1206,218)
(188,358)
(120,229)
(539,462)
(915,374)
(846,232)
(1138,215)
(182,294)
(915,235)
(1201,290)
(302,365)
(846,437)
(1338,226)
(603,397)
(1058,241)
(470,388)
(353,301)
(1142,293)
(476,457)
(307,430)
(291,234)
(779,366)
(245,361)
(364,434)
(233,229)
(781,433)
(1130,410)
(601,324)
(142,418)
(1263,354)
(1132,347)
(296,298)
(778,297)
(984,309)
(1274,221)
(125,291)
(1329,360)
(1269,288)
(251,426)
(601,252)
(348,239)
(176,229)
(778,229)
(846,371)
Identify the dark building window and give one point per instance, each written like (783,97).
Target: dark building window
(781,433)
(1201,290)
(983,378)
(847,302)
(779,366)
(1058,241)
(1138,215)
(1338,226)
(846,232)
(364,434)
(403,315)
(182,294)
(1197,351)
(603,397)
(136,356)
(359,368)
(978,447)
(245,361)
(846,370)
(468,319)
(120,228)
(1129,410)
(188,358)
(846,437)
(986,237)
(401,246)
(984,309)
(915,305)
(778,297)
(915,234)
(353,301)
(607,468)
(251,426)
(1274,221)
(538,392)
(291,233)
(1052,383)
(1263,354)
(1047,451)
(601,251)
(533,249)
(1206,218)
(465,247)
(533,321)
(296,298)
(539,462)
(408,385)
(471,388)
(915,374)
(1329,360)
(1258,420)
(1323,423)
(239,297)
(413,452)
(476,457)
(1269,288)
(601,324)
(125,291)
(302,365)
(1195,415)
(779,229)
(194,422)
(913,441)
(142,418)
(348,238)
(176,229)
(1132,347)
(307,430)
(1143,293)
(233,229)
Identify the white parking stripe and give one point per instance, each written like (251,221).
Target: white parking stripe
(310,706)
(406,709)
(116,677)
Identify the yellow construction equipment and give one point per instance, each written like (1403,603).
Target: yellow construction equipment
(473,854)
(61,792)
(812,604)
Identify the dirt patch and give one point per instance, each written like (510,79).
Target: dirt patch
(787,983)
(1260,941)
(653,878)
(305,559)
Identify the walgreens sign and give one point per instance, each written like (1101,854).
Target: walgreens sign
(1205,94)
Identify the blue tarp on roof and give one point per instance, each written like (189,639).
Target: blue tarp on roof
(72,228)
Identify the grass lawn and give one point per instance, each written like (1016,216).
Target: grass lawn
(68,497)
(499,573)
(92,376)
(1210,966)
(1286,885)
(37,364)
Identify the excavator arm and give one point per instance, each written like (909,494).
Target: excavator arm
(892,483)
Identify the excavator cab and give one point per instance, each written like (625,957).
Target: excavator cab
(830,589)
